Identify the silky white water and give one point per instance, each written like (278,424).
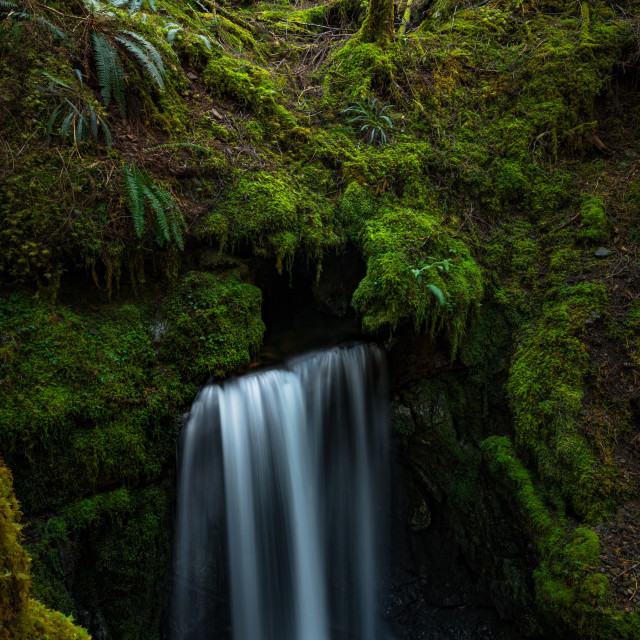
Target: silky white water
(282,501)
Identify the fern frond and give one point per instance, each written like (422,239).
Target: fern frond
(110,73)
(56,31)
(52,120)
(8,6)
(149,48)
(135,192)
(206,41)
(158,209)
(171,34)
(105,58)
(146,54)
(172,213)
(144,60)
(55,81)
(176,222)
(80,130)
(66,124)
(437,292)
(160,239)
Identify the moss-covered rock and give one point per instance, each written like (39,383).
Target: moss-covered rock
(408,255)
(547,385)
(593,219)
(111,553)
(213,325)
(22,618)
(565,587)
(85,396)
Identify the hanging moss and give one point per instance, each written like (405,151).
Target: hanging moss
(399,240)
(276,216)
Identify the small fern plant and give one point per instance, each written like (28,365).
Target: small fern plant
(111,75)
(173,28)
(76,117)
(151,201)
(371,117)
(423,268)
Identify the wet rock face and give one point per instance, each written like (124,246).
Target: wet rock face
(461,569)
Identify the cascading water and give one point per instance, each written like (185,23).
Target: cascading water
(282,488)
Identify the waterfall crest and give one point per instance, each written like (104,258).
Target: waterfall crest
(282,496)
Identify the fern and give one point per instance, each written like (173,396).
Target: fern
(173,215)
(149,48)
(134,187)
(437,292)
(144,195)
(56,31)
(145,59)
(10,9)
(110,74)
(162,226)
(79,120)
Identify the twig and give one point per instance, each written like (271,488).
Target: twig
(626,571)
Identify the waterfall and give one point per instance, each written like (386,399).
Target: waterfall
(281,502)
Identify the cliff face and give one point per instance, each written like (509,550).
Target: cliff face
(165,165)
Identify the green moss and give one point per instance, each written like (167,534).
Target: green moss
(275,215)
(84,396)
(565,588)
(356,206)
(125,558)
(547,386)
(593,219)
(120,544)
(213,325)
(399,240)
(249,86)
(358,70)
(22,618)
